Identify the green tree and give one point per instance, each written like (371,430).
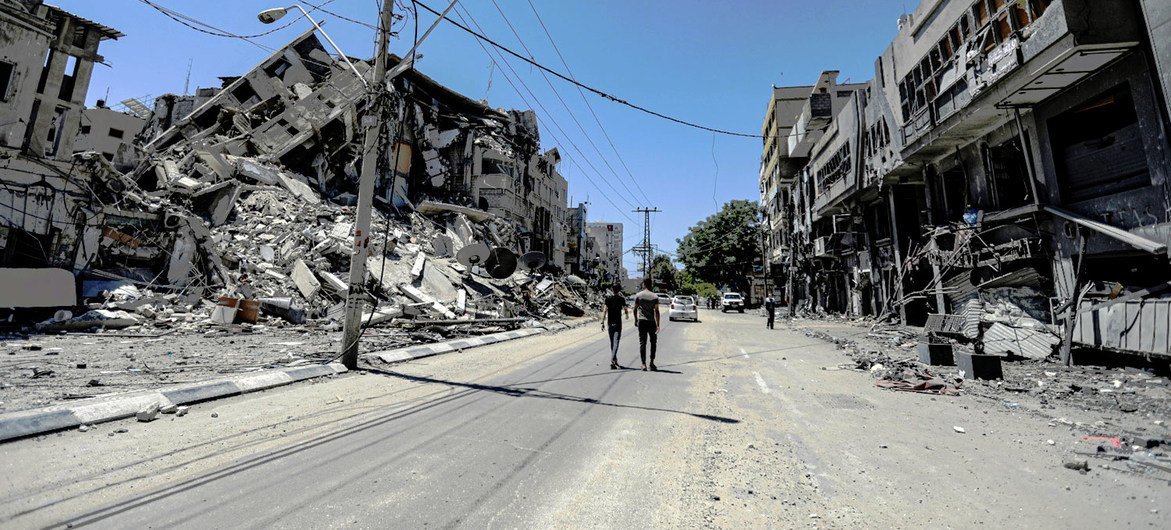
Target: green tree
(723,248)
(688,284)
(663,271)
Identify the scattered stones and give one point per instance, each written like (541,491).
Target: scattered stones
(215,414)
(959,429)
(169,409)
(181,410)
(1081,466)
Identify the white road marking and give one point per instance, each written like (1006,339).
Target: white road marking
(760,381)
(745,353)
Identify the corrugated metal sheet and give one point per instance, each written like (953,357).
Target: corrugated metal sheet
(1025,342)
(1139,326)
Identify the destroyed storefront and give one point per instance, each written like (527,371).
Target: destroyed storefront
(1010,172)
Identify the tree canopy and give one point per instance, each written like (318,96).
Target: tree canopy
(663,271)
(723,248)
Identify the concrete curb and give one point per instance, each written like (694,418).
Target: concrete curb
(427,350)
(437,348)
(109,408)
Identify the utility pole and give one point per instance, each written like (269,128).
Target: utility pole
(646,248)
(372,122)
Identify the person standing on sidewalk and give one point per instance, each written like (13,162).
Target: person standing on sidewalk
(770,307)
(612,321)
(646,317)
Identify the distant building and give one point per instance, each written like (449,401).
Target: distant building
(608,251)
(576,240)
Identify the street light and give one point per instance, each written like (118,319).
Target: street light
(268,16)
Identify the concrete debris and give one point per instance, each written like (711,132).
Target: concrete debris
(235,215)
(148,413)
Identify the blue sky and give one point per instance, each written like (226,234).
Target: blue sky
(708,62)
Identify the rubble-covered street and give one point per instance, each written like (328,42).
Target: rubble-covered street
(328,265)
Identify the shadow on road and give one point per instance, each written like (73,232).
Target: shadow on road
(512,391)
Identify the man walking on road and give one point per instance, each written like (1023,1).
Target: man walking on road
(612,322)
(770,306)
(646,317)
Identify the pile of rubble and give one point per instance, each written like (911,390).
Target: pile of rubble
(241,213)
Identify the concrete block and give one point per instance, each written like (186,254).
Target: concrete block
(936,354)
(978,366)
(148,413)
(420,262)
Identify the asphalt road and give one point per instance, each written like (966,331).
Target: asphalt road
(740,427)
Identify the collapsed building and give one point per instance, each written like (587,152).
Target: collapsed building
(246,192)
(1003,177)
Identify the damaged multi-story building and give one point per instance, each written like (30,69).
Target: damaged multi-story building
(47,210)
(1007,154)
(160,213)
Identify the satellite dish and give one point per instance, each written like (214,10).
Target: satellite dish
(473,255)
(502,263)
(443,246)
(533,260)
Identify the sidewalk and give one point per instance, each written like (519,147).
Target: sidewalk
(124,405)
(1100,400)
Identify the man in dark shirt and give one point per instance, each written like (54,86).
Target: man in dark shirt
(770,306)
(646,315)
(612,322)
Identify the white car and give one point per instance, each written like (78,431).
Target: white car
(683,308)
(731,302)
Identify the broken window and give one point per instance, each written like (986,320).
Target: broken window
(245,94)
(85,129)
(1007,175)
(69,79)
(117,133)
(80,35)
(1098,148)
(7,71)
(278,68)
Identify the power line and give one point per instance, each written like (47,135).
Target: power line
(587,102)
(568,111)
(558,125)
(508,79)
(181,18)
(550,118)
(600,93)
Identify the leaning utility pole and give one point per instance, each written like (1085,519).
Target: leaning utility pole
(372,122)
(645,248)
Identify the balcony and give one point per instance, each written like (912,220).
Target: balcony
(1018,56)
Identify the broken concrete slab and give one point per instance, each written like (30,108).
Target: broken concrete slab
(297,185)
(306,282)
(421,297)
(333,283)
(429,207)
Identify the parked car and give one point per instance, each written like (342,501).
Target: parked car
(664,298)
(683,308)
(731,302)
